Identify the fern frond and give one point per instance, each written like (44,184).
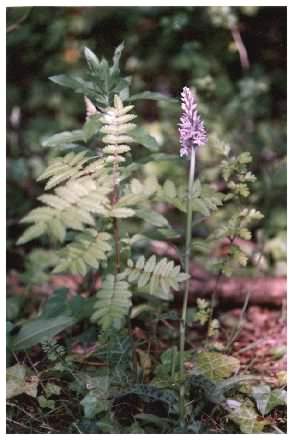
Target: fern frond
(72,205)
(88,249)
(159,276)
(113,302)
(71,167)
(63,168)
(116,127)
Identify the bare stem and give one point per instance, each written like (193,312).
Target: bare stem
(117,245)
(115,198)
(186,292)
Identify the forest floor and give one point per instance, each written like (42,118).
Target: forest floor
(256,336)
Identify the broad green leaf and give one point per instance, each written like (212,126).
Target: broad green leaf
(216,366)
(86,88)
(38,330)
(152,96)
(91,60)
(152,217)
(116,58)
(76,83)
(63,138)
(142,137)
(56,302)
(20,380)
(91,127)
(64,80)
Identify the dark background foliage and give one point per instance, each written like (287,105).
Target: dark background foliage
(165,49)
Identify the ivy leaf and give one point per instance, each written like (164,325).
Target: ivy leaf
(92,405)
(267,399)
(18,381)
(95,401)
(216,366)
(247,418)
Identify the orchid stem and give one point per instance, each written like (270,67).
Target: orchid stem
(186,292)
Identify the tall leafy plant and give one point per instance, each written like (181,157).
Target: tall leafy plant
(90,189)
(92,193)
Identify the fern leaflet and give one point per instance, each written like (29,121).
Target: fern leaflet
(72,205)
(117,124)
(160,276)
(113,302)
(86,252)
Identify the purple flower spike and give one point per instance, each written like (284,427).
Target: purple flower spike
(191,128)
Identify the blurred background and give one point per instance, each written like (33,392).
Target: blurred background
(235,58)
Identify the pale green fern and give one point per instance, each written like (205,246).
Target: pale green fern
(159,277)
(88,249)
(72,205)
(113,302)
(116,127)
(71,167)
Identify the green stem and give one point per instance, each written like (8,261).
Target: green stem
(186,292)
